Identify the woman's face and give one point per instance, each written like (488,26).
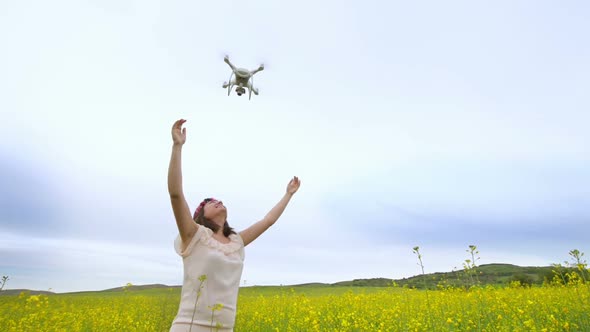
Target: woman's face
(213,209)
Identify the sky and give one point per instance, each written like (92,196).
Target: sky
(431,124)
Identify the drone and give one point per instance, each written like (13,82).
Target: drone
(242,79)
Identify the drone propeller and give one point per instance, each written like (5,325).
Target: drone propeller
(262,61)
(244,63)
(223,53)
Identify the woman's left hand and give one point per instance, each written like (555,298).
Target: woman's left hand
(293,185)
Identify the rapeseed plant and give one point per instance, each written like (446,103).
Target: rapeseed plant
(201,279)
(561,306)
(3,282)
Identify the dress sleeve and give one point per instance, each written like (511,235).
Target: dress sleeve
(239,239)
(200,235)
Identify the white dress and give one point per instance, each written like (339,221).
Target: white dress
(215,269)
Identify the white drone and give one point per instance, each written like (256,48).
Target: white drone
(242,78)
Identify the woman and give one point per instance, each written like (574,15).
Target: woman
(212,252)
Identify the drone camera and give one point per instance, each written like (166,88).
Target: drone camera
(240,91)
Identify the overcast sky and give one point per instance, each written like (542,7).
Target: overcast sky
(438,124)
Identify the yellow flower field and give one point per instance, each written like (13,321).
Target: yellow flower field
(551,308)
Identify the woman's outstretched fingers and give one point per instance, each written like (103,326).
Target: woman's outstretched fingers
(293,185)
(178,134)
(178,123)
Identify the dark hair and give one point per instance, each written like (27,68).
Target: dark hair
(201,220)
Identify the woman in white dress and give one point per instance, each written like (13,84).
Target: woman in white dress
(212,252)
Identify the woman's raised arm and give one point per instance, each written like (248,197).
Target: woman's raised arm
(186,226)
(253,232)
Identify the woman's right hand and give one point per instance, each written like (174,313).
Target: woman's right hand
(179,133)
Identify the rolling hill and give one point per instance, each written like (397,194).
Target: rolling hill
(487,274)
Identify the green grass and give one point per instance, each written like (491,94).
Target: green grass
(488,274)
(314,308)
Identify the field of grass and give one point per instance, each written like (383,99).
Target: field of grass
(549,308)
(462,304)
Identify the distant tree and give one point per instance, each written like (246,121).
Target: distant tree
(523,279)
(546,277)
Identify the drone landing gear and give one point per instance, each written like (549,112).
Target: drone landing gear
(240,89)
(230,84)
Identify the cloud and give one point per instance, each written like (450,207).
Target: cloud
(73,264)
(30,198)
(532,208)
(440,137)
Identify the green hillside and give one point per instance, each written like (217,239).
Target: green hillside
(488,274)
(18,291)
